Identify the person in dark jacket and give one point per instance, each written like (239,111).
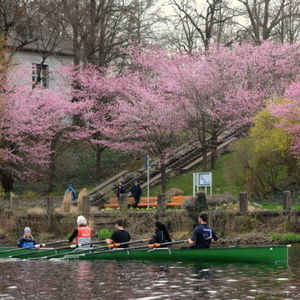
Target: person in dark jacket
(120,190)
(203,234)
(136,193)
(161,234)
(27,239)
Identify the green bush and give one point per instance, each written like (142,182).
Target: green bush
(2,194)
(30,195)
(104,234)
(286,238)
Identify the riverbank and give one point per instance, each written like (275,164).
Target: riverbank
(233,227)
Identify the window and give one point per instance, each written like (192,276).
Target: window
(40,75)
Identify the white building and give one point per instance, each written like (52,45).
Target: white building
(43,62)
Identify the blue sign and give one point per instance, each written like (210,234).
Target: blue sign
(204,179)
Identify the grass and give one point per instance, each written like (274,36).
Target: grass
(286,237)
(274,206)
(221,182)
(104,234)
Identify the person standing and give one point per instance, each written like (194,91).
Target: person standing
(27,239)
(83,233)
(203,234)
(120,190)
(136,193)
(120,235)
(161,234)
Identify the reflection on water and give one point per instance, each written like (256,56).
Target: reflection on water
(135,280)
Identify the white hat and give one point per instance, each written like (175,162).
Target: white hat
(27,230)
(81,220)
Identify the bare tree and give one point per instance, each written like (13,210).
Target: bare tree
(206,22)
(289,28)
(266,16)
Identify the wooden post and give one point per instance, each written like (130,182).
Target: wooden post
(13,202)
(49,206)
(287,200)
(201,204)
(123,199)
(243,200)
(67,201)
(86,205)
(161,202)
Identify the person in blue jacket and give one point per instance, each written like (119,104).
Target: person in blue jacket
(27,239)
(74,195)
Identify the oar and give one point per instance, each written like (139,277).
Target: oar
(96,248)
(151,246)
(54,249)
(35,246)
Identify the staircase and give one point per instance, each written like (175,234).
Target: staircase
(183,159)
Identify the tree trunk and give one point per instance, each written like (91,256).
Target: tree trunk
(163,178)
(51,177)
(98,164)
(204,157)
(214,152)
(7,182)
(52,166)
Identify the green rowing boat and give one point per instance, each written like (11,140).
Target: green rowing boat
(266,255)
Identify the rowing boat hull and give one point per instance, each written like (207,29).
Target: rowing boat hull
(278,255)
(266,255)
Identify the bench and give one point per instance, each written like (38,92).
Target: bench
(175,201)
(144,202)
(114,202)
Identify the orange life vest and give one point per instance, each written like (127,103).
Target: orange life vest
(84,234)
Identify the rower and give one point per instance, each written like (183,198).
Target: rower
(203,234)
(83,233)
(27,239)
(161,234)
(120,235)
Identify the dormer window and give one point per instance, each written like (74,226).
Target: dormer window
(40,75)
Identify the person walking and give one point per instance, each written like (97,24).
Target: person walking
(136,193)
(120,190)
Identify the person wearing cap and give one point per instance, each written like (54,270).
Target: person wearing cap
(83,233)
(26,240)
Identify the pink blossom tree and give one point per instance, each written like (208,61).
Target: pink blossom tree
(288,113)
(224,88)
(97,89)
(32,121)
(145,122)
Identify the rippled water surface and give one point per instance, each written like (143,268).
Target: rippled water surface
(134,280)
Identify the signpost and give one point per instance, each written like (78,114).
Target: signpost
(148,167)
(201,180)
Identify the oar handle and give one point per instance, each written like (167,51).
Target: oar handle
(94,249)
(61,248)
(156,245)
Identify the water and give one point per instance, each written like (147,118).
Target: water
(133,280)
